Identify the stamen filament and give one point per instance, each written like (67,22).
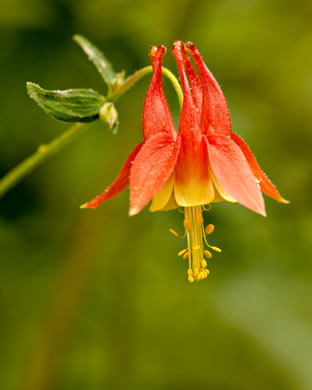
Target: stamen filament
(195,233)
(194,225)
(214,248)
(174,233)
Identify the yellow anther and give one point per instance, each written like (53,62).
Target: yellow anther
(204,263)
(216,249)
(190,272)
(209,228)
(187,224)
(186,255)
(190,279)
(199,218)
(182,252)
(195,247)
(207,271)
(173,232)
(199,276)
(207,254)
(196,272)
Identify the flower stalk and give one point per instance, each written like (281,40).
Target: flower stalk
(43,153)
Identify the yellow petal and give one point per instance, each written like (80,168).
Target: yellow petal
(220,194)
(162,198)
(194,192)
(171,204)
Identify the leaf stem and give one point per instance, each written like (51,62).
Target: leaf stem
(44,152)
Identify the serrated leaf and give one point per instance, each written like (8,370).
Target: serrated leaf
(101,63)
(71,105)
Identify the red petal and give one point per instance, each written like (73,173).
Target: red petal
(215,113)
(156,113)
(119,184)
(265,183)
(232,171)
(196,85)
(151,169)
(195,93)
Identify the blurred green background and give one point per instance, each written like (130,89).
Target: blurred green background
(96,300)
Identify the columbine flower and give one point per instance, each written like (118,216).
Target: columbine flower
(203,163)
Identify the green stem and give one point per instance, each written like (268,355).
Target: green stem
(43,152)
(130,81)
(46,151)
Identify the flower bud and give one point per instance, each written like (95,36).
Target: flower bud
(109,115)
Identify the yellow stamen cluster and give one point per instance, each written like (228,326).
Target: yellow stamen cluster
(196,237)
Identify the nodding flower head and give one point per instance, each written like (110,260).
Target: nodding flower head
(201,163)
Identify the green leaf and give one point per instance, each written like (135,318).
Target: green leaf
(101,63)
(71,105)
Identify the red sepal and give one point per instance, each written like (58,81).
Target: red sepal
(119,184)
(265,183)
(233,173)
(151,169)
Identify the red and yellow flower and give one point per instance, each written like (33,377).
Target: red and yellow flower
(203,162)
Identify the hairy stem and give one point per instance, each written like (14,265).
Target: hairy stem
(46,151)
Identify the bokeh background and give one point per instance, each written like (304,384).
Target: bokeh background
(96,300)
